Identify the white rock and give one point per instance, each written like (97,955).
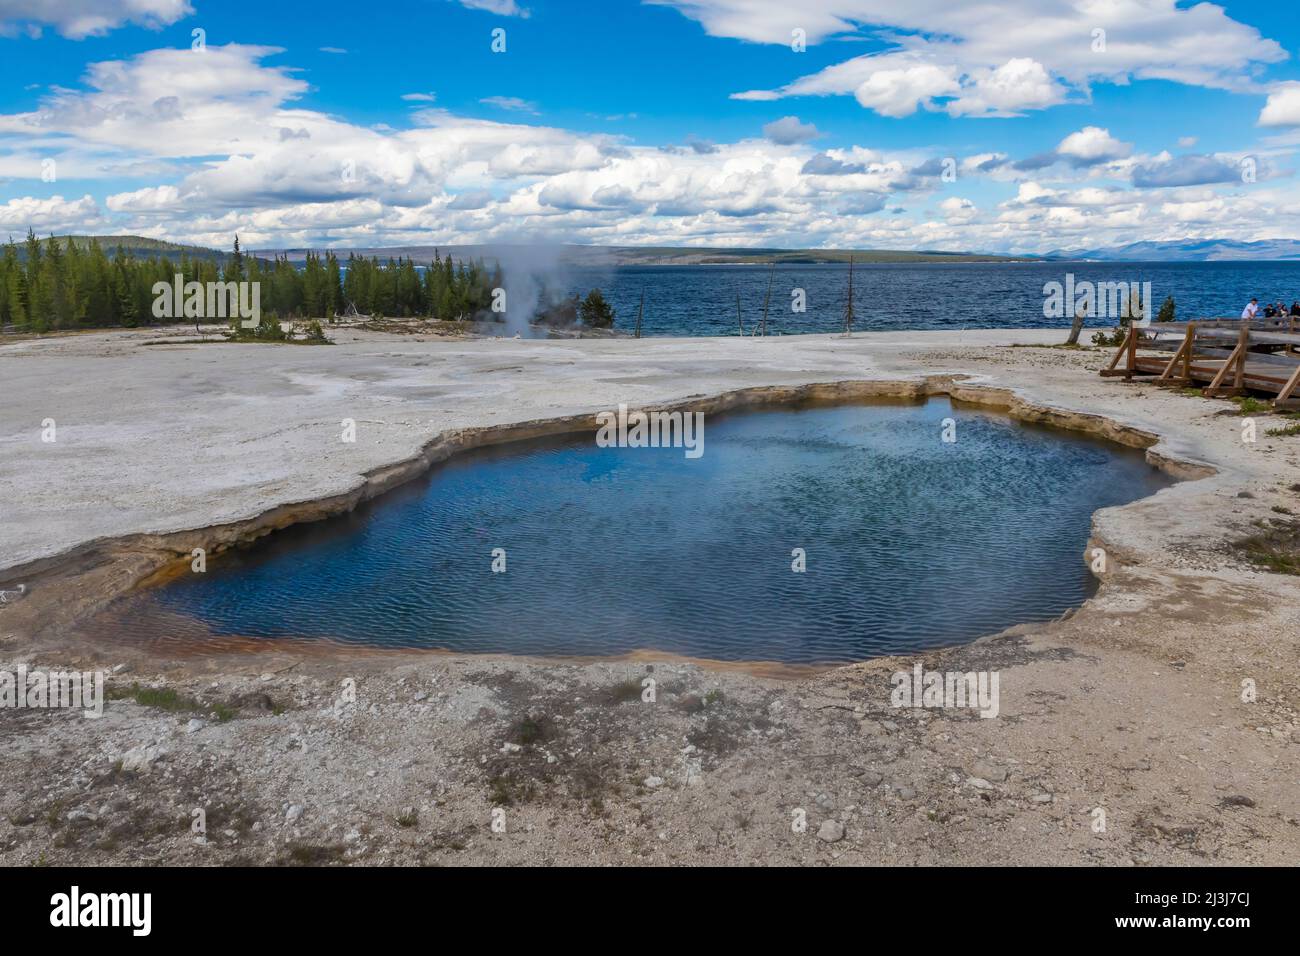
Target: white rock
(141,759)
(653,782)
(293,813)
(831,831)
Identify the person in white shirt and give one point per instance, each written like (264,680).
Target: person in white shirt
(1251,309)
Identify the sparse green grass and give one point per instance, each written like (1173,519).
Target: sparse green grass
(531,730)
(163,698)
(311,854)
(1276,546)
(626,691)
(407,818)
(1284,431)
(170,700)
(1249,405)
(1070,346)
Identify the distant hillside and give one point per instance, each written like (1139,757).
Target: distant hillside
(137,247)
(1190,250)
(657,255)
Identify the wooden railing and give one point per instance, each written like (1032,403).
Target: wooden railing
(1227,356)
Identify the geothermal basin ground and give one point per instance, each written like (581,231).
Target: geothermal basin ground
(1155,724)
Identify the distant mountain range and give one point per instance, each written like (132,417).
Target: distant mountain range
(652,255)
(1186,250)
(1189,250)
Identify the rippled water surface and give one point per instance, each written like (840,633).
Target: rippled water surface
(701,299)
(911,543)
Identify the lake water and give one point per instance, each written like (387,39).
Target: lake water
(911,542)
(701,300)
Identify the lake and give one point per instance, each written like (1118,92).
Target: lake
(701,299)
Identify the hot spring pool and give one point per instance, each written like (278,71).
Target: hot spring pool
(910,543)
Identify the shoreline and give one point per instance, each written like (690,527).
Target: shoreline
(152,562)
(1169,572)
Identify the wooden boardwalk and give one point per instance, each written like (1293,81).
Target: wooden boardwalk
(1226,356)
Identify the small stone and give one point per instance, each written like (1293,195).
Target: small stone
(979,783)
(420,695)
(906,793)
(653,782)
(831,831)
(140,759)
(990,771)
(293,813)
(81,818)
(1042,798)
(194,726)
(509,748)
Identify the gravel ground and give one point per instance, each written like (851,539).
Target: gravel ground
(1129,711)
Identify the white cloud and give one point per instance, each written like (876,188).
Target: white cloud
(1092,144)
(48,216)
(788,130)
(77,19)
(958,210)
(512,103)
(1282,107)
(996,59)
(900,92)
(419,97)
(217,142)
(1017,85)
(502,8)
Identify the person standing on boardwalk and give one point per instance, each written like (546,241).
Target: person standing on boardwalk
(1251,309)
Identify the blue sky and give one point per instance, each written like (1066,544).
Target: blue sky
(670,122)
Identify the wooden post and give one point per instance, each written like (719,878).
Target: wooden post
(639,312)
(1075,329)
(770,276)
(1212,390)
(738,318)
(1132,350)
(1191,347)
(848,309)
(1187,344)
(1243,346)
(1288,389)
